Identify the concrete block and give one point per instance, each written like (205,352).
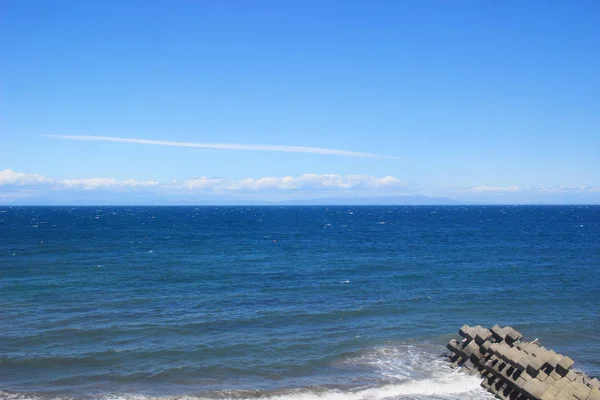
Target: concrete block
(539,352)
(501,366)
(562,396)
(541,376)
(453,346)
(507,375)
(503,354)
(472,351)
(521,382)
(486,345)
(454,358)
(514,356)
(497,386)
(564,365)
(547,369)
(550,380)
(498,333)
(533,366)
(509,354)
(560,384)
(522,345)
(511,335)
(506,391)
(491,380)
(571,376)
(531,347)
(555,375)
(535,388)
(523,362)
(469,348)
(501,389)
(567,390)
(481,363)
(516,374)
(526,376)
(482,335)
(489,365)
(492,363)
(549,394)
(517,370)
(582,392)
(493,348)
(467,332)
(552,359)
(467,366)
(594,394)
(539,389)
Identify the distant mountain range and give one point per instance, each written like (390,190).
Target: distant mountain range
(134,199)
(372,201)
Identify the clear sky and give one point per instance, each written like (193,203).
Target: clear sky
(493,101)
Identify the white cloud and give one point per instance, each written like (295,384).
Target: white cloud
(306,182)
(10,177)
(134,183)
(105,183)
(494,189)
(92,183)
(389,181)
(202,183)
(302,182)
(224,146)
(570,189)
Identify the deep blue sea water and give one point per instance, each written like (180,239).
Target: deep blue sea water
(343,303)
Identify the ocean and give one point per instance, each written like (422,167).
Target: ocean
(301,303)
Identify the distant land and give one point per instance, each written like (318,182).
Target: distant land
(105,198)
(406,200)
(325,201)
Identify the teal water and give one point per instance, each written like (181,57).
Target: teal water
(345,303)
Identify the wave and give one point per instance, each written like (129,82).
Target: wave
(458,386)
(401,371)
(466,387)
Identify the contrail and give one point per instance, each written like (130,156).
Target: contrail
(225,146)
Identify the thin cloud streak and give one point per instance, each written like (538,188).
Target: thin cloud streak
(225,146)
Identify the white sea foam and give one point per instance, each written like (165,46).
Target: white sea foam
(459,384)
(454,386)
(400,372)
(404,371)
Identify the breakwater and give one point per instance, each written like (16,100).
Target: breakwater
(512,368)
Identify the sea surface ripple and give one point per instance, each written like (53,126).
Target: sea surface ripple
(303,303)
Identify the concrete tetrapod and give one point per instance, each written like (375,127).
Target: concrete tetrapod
(514,369)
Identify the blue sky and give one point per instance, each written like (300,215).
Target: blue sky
(471,100)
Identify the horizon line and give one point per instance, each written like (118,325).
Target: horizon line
(276,204)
